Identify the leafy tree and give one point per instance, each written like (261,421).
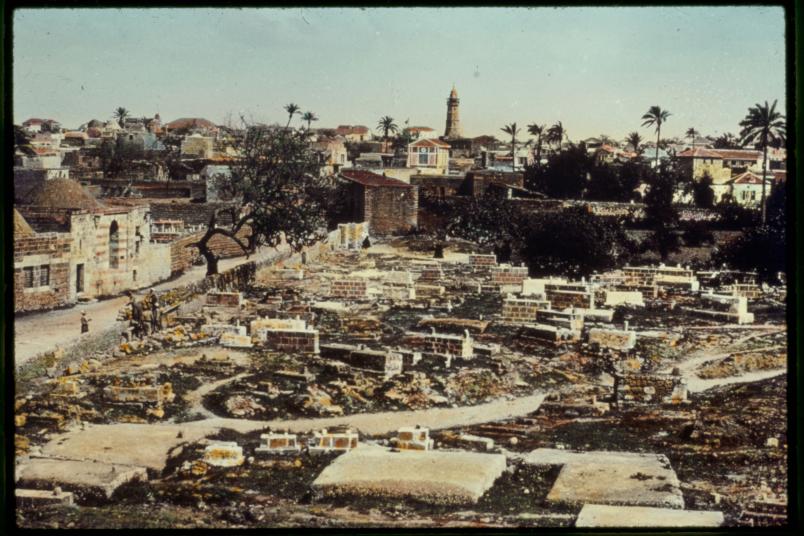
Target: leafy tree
(613,182)
(309,117)
(292,109)
(537,130)
(277,191)
(121,114)
(564,176)
(556,134)
(702,193)
(697,234)
(762,248)
(661,215)
(656,116)
(763,127)
(635,141)
(489,220)
(574,244)
(512,131)
(726,141)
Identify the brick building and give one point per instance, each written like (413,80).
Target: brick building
(388,205)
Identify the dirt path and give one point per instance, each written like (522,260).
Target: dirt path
(43,332)
(196,398)
(391,421)
(696,384)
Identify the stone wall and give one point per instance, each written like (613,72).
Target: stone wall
(52,250)
(561,299)
(391,209)
(287,340)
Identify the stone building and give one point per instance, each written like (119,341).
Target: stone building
(388,205)
(107,249)
(453,129)
(429,157)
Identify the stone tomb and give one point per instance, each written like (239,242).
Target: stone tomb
(600,515)
(432,476)
(611,478)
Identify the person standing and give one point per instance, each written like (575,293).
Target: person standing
(137,319)
(153,302)
(84,322)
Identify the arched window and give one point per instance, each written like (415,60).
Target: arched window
(114,245)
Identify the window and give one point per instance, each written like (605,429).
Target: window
(28,277)
(753,195)
(423,159)
(44,275)
(114,244)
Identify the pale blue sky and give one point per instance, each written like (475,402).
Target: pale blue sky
(595,69)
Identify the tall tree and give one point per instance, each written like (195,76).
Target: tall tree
(385,125)
(635,140)
(276,193)
(556,134)
(656,116)
(121,114)
(661,214)
(292,109)
(763,127)
(692,134)
(512,131)
(534,129)
(309,117)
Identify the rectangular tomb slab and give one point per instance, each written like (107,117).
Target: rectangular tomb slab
(614,478)
(85,474)
(600,515)
(41,497)
(432,476)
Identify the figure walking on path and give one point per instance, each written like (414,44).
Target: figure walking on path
(84,322)
(153,301)
(137,319)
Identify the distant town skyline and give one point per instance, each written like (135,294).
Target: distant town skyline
(595,69)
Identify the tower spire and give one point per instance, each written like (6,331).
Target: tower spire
(453,129)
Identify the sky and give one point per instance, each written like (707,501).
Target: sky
(597,70)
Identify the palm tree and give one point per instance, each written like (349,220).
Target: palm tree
(556,134)
(386,124)
(538,131)
(635,140)
(512,131)
(692,134)
(763,126)
(309,117)
(726,141)
(292,109)
(656,116)
(120,114)
(607,140)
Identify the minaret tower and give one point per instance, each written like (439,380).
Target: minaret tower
(453,129)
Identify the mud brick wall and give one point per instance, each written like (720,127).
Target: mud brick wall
(437,344)
(353,289)
(50,249)
(390,209)
(561,299)
(190,213)
(293,341)
(515,310)
(509,275)
(45,219)
(182,256)
(225,299)
(482,261)
(431,273)
(633,385)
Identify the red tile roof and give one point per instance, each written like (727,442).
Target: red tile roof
(739,154)
(430,143)
(699,152)
(419,129)
(367,178)
(190,122)
(746,178)
(349,129)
